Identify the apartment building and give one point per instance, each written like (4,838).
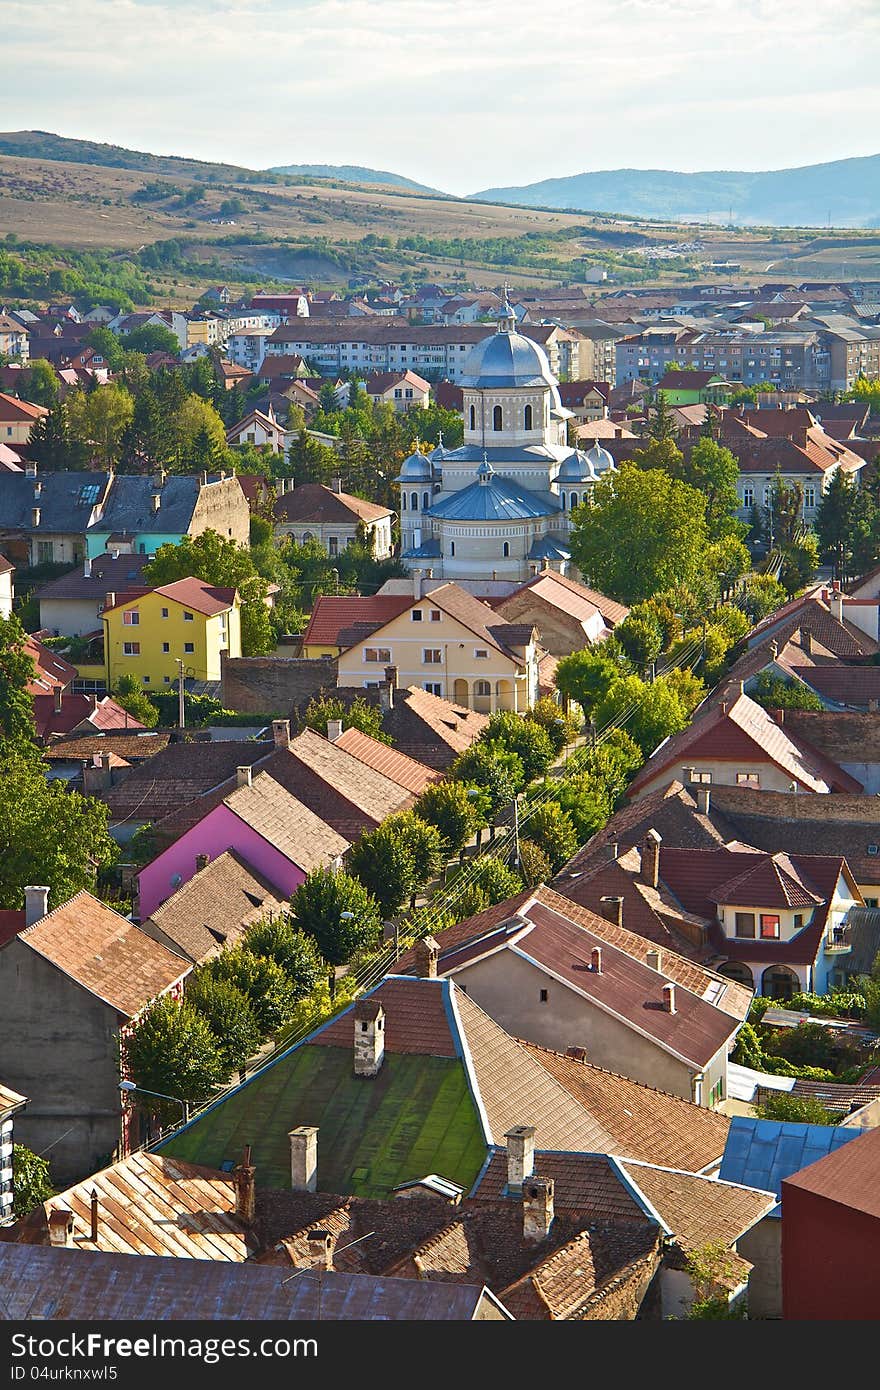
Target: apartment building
(789,360)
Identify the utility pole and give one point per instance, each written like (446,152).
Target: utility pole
(516,832)
(181,707)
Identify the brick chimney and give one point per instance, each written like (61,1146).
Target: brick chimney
(520,1155)
(669,998)
(654,959)
(243,1179)
(155,501)
(807,641)
(303,1158)
(651,857)
(369,1037)
(36,903)
(612,907)
(109,600)
(244,777)
(427,954)
(537,1208)
(61,1227)
(202,862)
(93,1217)
(596,960)
(334,730)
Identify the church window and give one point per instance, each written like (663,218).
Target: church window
(414,502)
(506,549)
(496,418)
(574,499)
(452,547)
(473,417)
(527,418)
(426,500)
(403,501)
(585,499)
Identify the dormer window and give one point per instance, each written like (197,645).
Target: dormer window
(769,926)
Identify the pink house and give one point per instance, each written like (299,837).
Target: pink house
(271,829)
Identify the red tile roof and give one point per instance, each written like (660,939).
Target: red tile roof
(406,772)
(319,505)
(332,615)
(189,593)
(416,1020)
(75,710)
(51,672)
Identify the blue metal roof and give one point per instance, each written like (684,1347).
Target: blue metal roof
(505,360)
(549,548)
(428,550)
(760,1153)
(496,500)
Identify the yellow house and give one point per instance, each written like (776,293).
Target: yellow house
(189,621)
(450,644)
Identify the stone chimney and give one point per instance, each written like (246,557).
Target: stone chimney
(427,954)
(537,1208)
(155,501)
(654,959)
(669,998)
(35,516)
(36,903)
(369,1037)
(336,485)
(57,692)
(109,600)
(320,1249)
(303,1158)
(596,960)
(704,797)
(417,584)
(61,1227)
(281,733)
(244,1182)
(87,568)
(612,907)
(837,605)
(520,1155)
(202,862)
(651,857)
(334,730)
(244,777)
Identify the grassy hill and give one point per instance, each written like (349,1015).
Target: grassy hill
(352,173)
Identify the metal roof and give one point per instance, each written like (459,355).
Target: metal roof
(760,1153)
(507,360)
(499,499)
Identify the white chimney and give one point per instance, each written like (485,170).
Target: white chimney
(87,568)
(417,585)
(334,730)
(155,501)
(369,1037)
(654,959)
(537,1208)
(35,516)
(596,960)
(520,1155)
(669,998)
(303,1158)
(704,795)
(243,777)
(837,606)
(651,857)
(36,903)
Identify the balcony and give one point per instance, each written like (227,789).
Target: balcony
(838,942)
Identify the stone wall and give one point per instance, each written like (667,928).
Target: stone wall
(274,685)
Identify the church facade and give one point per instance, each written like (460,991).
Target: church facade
(500,506)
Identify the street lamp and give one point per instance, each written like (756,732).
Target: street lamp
(128,1086)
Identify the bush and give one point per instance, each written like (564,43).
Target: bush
(782,1105)
(31,1181)
(534,866)
(813,1045)
(775,693)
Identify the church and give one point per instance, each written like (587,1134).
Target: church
(500,506)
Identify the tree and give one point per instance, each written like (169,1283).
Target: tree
(552,831)
(171,1048)
(16,672)
(335,909)
(107,345)
(776,692)
(713,471)
(424,844)
(534,866)
(98,420)
(497,774)
(278,939)
(41,384)
(198,434)
(833,523)
(447,806)
(713,1269)
(131,697)
(644,532)
(559,726)
(219,561)
(759,596)
(585,801)
(485,882)
(805,1110)
(50,444)
(641,640)
(651,712)
(518,734)
(230,1016)
(152,337)
(47,833)
(272,994)
(587,676)
(354,714)
(661,423)
(383,861)
(31,1180)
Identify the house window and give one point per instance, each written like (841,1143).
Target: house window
(745,924)
(505,549)
(497,422)
(748,779)
(527,418)
(809,495)
(189,647)
(473,418)
(432,656)
(769,926)
(574,500)
(544,996)
(167,680)
(333,545)
(748,496)
(716,1095)
(798,920)
(131,649)
(164,612)
(480,653)
(131,617)
(416,615)
(433,687)
(703,777)
(382,654)
(403,501)
(435,615)
(166,646)
(483,689)
(45,552)
(187,617)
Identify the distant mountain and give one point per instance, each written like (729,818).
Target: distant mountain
(42,144)
(846,191)
(352,173)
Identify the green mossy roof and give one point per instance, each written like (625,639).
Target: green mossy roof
(416,1117)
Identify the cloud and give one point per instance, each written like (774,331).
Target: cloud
(458,96)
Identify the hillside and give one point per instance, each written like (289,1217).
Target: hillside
(352,173)
(846,191)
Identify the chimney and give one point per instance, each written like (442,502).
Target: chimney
(386,691)
(651,857)
(807,641)
(334,730)
(336,485)
(244,777)
(61,1227)
(615,849)
(30,469)
(837,605)
(427,954)
(109,600)
(520,1155)
(202,862)
(612,908)
(35,516)
(243,1179)
(669,998)
(57,693)
(281,733)
(369,1037)
(304,1158)
(158,479)
(704,795)
(320,1250)
(93,1217)
(537,1208)
(873,706)
(155,501)
(36,903)
(104,759)
(87,568)
(578,1053)
(654,959)
(204,480)
(417,585)
(774,649)
(596,959)
(38,489)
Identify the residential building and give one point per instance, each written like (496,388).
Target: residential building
(64,712)
(334,518)
(14,338)
(11,1104)
(413,776)
(404,390)
(189,621)
(71,606)
(587,400)
(7,587)
(71,981)
(214,908)
(260,429)
(44,517)
(141,513)
(790,360)
(686,387)
(567,615)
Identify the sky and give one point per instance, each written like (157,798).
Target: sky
(460,96)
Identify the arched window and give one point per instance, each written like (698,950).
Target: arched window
(307,536)
(505,549)
(414,502)
(585,499)
(527,418)
(496,418)
(452,547)
(482,688)
(574,499)
(403,501)
(473,417)
(426,501)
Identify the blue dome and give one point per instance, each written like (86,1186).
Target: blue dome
(577,468)
(415,469)
(600,460)
(507,360)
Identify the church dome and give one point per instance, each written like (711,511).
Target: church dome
(600,460)
(417,468)
(577,468)
(505,360)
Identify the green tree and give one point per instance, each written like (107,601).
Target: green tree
(804,1110)
(272,994)
(641,640)
(776,692)
(561,728)
(278,939)
(219,561)
(448,806)
(51,445)
(552,830)
(519,734)
(424,844)
(171,1048)
(16,671)
(354,714)
(644,532)
(496,773)
(384,863)
(534,866)
(131,697)
(661,421)
(31,1180)
(41,383)
(152,337)
(651,712)
(335,909)
(107,345)
(759,596)
(587,676)
(482,884)
(98,419)
(833,523)
(230,1016)
(586,803)
(713,471)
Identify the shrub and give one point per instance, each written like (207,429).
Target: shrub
(534,866)
(782,1105)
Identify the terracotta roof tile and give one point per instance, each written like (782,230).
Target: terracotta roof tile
(312,502)
(215,907)
(416,1020)
(131,747)
(177,774)
(697,1210)
(189,593)
(284,822)
(331,614)
(406,772)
